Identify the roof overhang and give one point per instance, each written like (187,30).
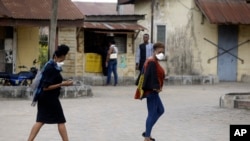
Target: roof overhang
(22,22)
(113,26)
(114,18)
(225,11)
(29,12)
(126,1)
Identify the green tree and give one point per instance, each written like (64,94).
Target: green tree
(43,50)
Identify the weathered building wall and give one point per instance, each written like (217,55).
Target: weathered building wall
(243,53)
(76,59)
(179,37)
(126,63)
(205,50)
(177,17)
(143,8)
(27,46)
(186,49)
(80,54)
(68,36)
(202,49)
(186,31)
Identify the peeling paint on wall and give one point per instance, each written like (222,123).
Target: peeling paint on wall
(122,62)
(180,52)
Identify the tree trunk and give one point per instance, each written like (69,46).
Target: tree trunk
(52,29)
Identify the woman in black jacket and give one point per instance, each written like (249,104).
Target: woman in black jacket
(154,76)
(49,107)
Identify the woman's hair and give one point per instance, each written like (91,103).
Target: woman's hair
(62,50)
(158,45)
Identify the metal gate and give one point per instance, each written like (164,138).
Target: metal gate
(227,63)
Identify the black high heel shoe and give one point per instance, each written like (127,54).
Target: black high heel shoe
(152,139)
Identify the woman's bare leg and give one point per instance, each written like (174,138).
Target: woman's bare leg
(34,131)
(63,131)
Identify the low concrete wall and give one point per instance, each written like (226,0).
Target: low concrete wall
(170,80)
(82,85)
(26,92)
(13,92)
(235,100)
(101,80)
(242,103)
(192,79)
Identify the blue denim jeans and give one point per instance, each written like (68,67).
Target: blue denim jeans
(155,110)
(112,67)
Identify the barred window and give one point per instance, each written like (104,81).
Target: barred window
(161,33)
(121,42)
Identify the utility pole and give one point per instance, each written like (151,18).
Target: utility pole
(152,19)
(52,29)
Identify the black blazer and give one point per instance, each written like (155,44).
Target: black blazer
(150,77)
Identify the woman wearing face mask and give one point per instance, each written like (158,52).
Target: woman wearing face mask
(154,76)
(49,107)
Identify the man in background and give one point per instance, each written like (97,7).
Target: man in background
(144,51)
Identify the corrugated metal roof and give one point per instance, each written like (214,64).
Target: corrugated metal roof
(103,8)
(125,1)
(4,12)
(41,9)
(113,26)
(34,22)
(225,11)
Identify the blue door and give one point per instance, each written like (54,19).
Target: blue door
(227,64)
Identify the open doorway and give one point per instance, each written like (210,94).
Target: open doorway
(97,42)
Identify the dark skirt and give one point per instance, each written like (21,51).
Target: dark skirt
(49,108)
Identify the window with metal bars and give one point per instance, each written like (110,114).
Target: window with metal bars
(161,33)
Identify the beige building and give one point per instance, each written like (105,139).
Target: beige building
(206,39)
(84,38)
(101,25)
(20,26)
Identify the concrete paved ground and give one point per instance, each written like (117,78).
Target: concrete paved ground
(192,113)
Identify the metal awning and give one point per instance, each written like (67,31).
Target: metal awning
(37,12)
(225,11)
(125,1)
(113,26)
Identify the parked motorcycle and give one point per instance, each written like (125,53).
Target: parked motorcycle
(20,79)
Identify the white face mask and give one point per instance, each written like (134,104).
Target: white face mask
(160,56)
(60,64)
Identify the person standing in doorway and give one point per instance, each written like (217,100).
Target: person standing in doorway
(49,109)
(144,51)
(111,63)
(154,76)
